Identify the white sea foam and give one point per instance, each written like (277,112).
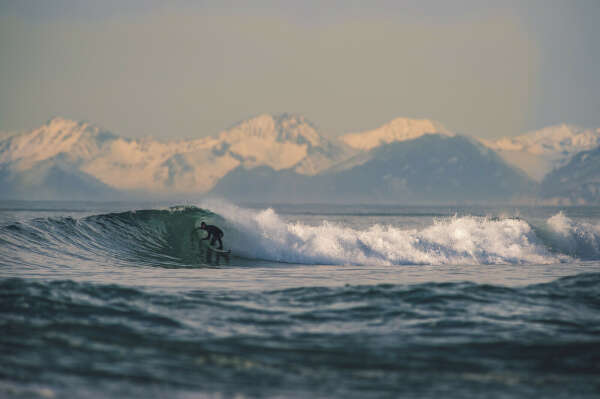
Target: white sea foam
(575,238)
(456,240)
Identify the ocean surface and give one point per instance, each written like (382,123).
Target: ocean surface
(103,300)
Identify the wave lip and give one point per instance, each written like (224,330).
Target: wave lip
(574,238)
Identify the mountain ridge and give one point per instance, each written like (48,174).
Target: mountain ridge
(287,144)
(398,129)
(433,168)
(577,182)
(540,151)
(181,166)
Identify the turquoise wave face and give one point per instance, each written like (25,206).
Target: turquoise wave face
(86,339)
(135,238)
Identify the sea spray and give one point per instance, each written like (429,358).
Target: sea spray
(576,238)
(262,234)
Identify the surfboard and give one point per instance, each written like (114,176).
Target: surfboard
(220,251)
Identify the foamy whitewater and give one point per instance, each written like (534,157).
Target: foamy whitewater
(107,299)
(455,240)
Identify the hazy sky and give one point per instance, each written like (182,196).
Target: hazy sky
(190,69)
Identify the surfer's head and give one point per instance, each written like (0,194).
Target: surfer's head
(203,225)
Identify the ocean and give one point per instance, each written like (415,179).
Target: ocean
(104,300)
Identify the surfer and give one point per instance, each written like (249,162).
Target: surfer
(214,233)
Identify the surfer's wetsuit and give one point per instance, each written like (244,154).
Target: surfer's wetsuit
(214,233)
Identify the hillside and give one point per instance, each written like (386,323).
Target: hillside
(432,168)
(540,151)
(399,129)
(578,182)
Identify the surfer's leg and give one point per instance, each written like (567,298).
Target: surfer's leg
(212,240)
(220,242)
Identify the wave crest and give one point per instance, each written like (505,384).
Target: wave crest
(163,238)
(456,240)
(574,238)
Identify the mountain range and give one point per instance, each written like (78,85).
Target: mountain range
(578,182)
(431,168)
(541,151)
(285,158)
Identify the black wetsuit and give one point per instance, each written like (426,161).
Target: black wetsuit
(215,234)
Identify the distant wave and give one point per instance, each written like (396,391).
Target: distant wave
(163,238)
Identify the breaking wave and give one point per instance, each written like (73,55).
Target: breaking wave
(163,238)
(574,238)
(456,240)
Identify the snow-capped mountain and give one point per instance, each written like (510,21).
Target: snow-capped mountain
(78,140)
(281,142)
(183,166)
(400,129)
(284,157)
(577,182)
(433,168)
(120,163)
(541,151)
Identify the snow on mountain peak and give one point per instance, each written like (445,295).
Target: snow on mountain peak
(399,129)
(279,141)
(540,151)
(58,135)
(550,140)
(280,127)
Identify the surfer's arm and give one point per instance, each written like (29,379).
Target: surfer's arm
(202,239)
